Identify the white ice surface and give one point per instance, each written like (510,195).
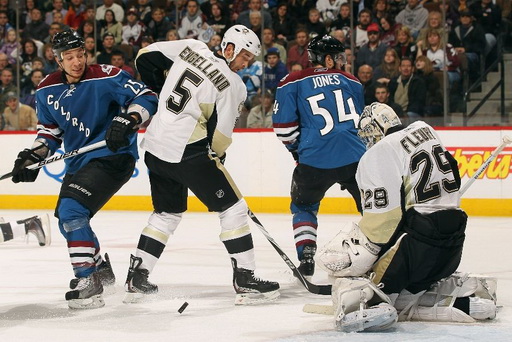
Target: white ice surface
(195,268)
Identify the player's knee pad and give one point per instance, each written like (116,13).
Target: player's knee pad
(361,305)
(348,254)
(72,216)
(165,223)
(233,221)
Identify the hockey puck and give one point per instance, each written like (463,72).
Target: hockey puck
(183,307)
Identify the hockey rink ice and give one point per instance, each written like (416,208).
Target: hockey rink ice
(195,268)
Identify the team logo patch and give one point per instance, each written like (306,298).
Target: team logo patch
(220,193)
(107,69)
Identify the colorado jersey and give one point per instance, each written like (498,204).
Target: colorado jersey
(316,113)
(67,114)
(409,168)
(200,100)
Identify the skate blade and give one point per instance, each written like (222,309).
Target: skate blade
(369,320)
(256,298)
(109,290)
(137,297)
(45,221)
(93,302)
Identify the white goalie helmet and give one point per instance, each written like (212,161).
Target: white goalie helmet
(242,38)
(376,119)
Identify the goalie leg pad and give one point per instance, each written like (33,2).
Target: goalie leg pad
(348,254)
(361,306)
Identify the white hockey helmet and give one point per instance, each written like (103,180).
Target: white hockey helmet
(242,38)
(376,119)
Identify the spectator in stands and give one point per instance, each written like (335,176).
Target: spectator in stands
(90,50)
(361,36)
(408,90)
(86,30)
(314,26)
(28,53)
(193,24)
(206,7)
(159,25)
(117,59)
(405,46)
(133,30)
(488,15)
(25,14)
(342,21)
(6,86)
(451,15)
(434,98)
(469,38)
(214,43)
(414,16)
(145,10)
(254,6)
(110,24)
(11,46)
(388,69)
(251,76)
(58,18)
(146,40)
(388,30)
(4,61)
(17,116)
(329,10)
(283,24)
(54,28)
(28,89)
(299,52)
(380,9)
(37,29)
(260,116)
(171,35)
(219,20)
(275,69)
(57,7)
(435,22)
(382,96)
(5,26)
(50,65)
(105,55)
(296,67)
(255,22)
(350,60)
(268,41)
(441,56)
(365,76)
(9,12)
(110,5)
(77,13)
(371,53)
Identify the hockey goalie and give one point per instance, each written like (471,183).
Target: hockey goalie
(399,262)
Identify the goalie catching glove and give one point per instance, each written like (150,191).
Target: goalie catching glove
(353,256)
(122,127)
(25,158)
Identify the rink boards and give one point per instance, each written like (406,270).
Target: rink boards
(262,168)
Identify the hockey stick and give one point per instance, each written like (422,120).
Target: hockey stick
(505,141)
(63,156)
(313,288)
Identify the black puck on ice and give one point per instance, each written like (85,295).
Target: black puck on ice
(183,307)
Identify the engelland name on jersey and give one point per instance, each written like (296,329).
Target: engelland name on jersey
(215,76)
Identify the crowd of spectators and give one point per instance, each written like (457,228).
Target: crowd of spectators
(399,49)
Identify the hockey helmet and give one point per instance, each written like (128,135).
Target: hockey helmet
(66,40)
(321,46)
(242,38)
(375,122)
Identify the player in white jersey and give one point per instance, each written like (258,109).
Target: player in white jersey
(200,100)
(411,234)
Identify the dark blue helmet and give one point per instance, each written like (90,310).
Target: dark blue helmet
(66,40)
(321,46)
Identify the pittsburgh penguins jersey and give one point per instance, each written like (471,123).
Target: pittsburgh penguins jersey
(316,113)
(79,114)
(200,99)
(406,169)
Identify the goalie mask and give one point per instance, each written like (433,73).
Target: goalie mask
(242,38)
(321,46)
(375,122)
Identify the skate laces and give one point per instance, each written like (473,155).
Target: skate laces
(83,283)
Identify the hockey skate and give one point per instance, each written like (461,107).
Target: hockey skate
(307,263)
(105,273)
(137,285)
(87,294)
(39,226)
(250,289)
(361,306)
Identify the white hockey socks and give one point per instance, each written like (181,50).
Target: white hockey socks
(361,306)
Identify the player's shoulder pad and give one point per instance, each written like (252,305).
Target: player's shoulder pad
(51,79)
(101,71)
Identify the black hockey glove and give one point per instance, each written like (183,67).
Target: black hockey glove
(119,131)
(25,158)
(222,159)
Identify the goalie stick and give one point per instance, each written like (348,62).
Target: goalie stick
(505,141)
(63,156)
(313,288)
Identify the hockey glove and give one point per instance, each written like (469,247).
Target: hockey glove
(118,133)
(25,158)
(222,159)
